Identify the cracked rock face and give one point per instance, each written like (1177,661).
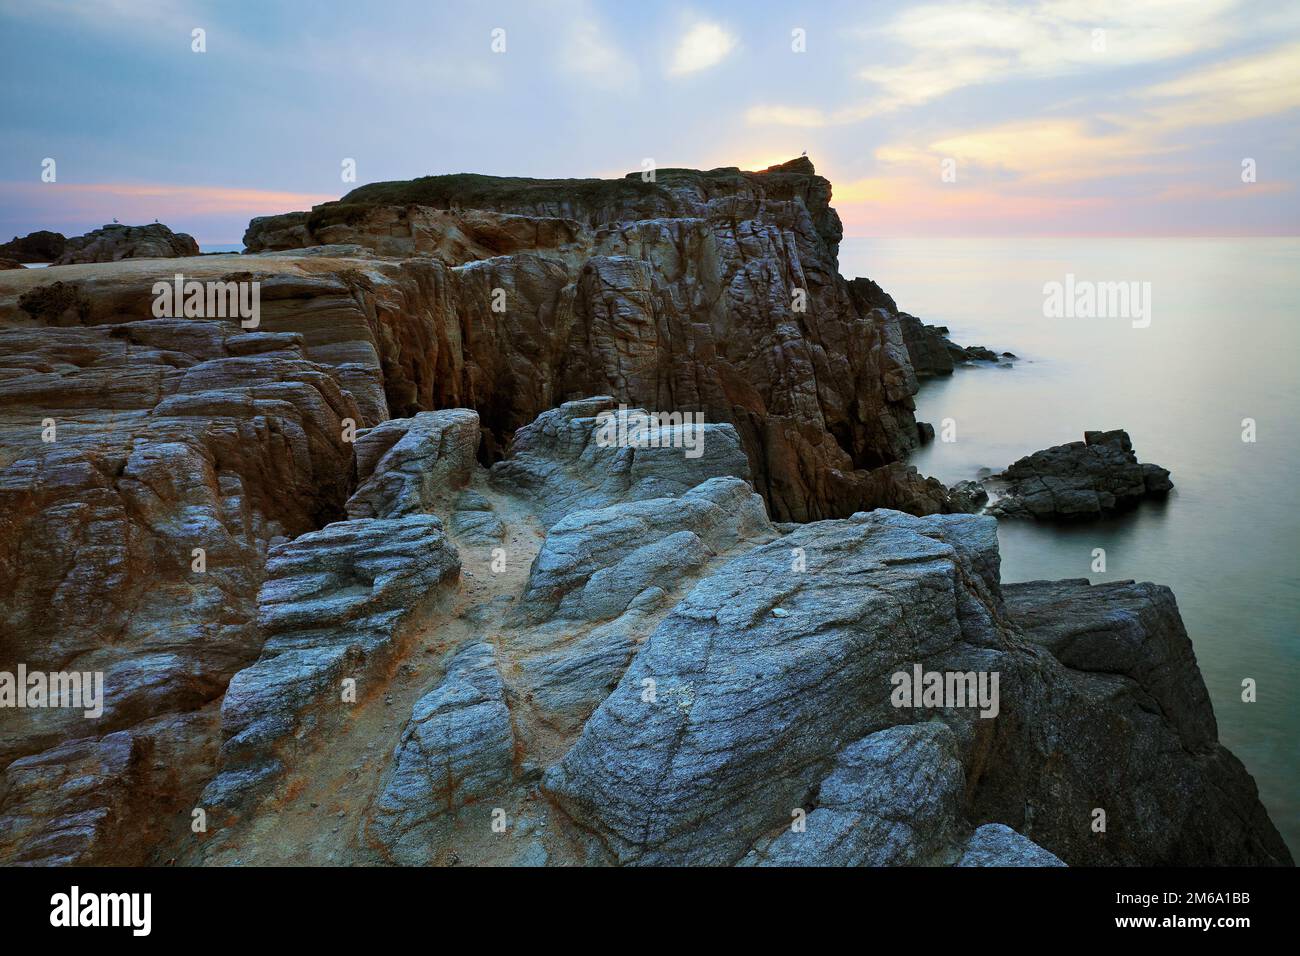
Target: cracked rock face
(1083,479)
(715,292)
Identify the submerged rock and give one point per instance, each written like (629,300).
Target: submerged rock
(1090,478)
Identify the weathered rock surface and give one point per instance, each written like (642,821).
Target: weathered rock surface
(39,246)
(457,748)
(410,465)
(756,711)
(560,462)
(996,844)
(118,241)
(335,606)
(715,292)
(594,563)
(1080,479)
(893,799)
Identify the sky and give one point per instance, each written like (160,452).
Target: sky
(953,118)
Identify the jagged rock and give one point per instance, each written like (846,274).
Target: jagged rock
(735,739)
(769,665)
(39,246)
(997,845)
(169,436)
(892,799)
(106,801)
(118,241)
(10,264)
(968,497)
(560,463)
(594,563)
(932,353)
(405,465)
(56,806)
(753,708)
(335,605)
(457,748)
(676,295)
(1079,479)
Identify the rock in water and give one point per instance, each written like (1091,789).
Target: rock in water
(1090,478)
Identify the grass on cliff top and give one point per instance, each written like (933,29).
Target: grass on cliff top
(477,191)
(473,189)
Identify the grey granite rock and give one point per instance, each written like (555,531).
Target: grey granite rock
(750,708)
(559,460)
(334,606)
(457,748)
(996,844)
(893,798)
(739,705)
(407,465)
(593,563)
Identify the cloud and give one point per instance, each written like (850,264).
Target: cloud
(213,214)
(704,45)
(950,46)
(590,53)
(1247,87)
(1052,150)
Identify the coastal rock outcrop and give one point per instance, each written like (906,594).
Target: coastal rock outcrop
(711,292)
(933,353)
(1086,479)
(119,241)
(711,767)
(39,246)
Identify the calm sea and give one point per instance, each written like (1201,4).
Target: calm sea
(1222,346)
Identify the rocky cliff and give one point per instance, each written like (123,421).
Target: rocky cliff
(363,587)
(715,292)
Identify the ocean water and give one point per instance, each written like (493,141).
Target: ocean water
(1221,346)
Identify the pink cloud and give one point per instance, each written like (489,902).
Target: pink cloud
(212,214)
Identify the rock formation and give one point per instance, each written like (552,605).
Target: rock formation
(1086,479)
(713,292)
(117,241)
(39,246)
(365,588)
